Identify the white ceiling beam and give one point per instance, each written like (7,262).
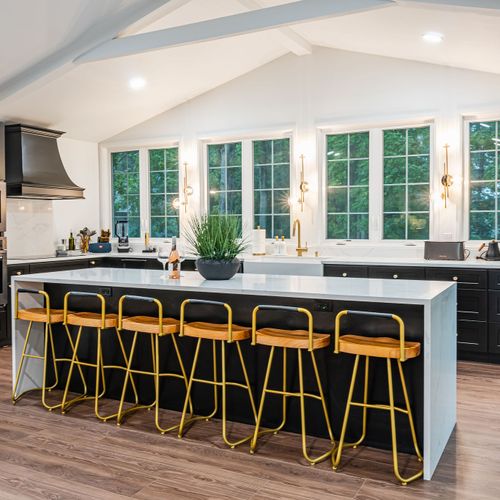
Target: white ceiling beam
(286,36)
(238,24)
(61,61)
(479,6)
(162,11)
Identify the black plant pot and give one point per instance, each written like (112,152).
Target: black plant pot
(217,269)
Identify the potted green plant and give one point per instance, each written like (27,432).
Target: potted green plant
(216,242)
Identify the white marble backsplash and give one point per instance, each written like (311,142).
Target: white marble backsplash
(30,228)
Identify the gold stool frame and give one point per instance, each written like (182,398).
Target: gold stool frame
(98,365)
(155,353)
(48,338)
(215,383)
(285,393)
(336,457)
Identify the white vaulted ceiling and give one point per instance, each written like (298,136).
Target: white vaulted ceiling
(39,40)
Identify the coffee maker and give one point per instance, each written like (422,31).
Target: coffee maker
(121,231)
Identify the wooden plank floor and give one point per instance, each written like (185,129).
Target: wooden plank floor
(49,455)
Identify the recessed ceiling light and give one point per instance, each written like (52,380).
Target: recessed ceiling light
(433,37)
(137,83)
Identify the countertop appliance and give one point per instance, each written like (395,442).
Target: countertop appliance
(492,253)
(445,250)
(121,231)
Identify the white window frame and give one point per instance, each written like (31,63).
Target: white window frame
(376,178)
(466,121)
(247,184)
(144,184)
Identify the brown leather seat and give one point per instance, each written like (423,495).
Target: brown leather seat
(92,319)
(296,339)
(39,315)
(378,347)
(149,324)
(215,331)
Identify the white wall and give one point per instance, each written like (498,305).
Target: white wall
(34,226)
(336,89)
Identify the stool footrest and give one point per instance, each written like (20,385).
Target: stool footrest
(211,382)
(293,394)
(378,407)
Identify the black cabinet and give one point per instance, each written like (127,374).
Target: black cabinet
(4,327)
(402,273)
(472,305)
(472,336)
(67,265)
(341,271)
(464,278)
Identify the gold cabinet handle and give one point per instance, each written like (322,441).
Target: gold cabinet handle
(395,276)
(455,278)
(92,262)
(19,273)
(344,275)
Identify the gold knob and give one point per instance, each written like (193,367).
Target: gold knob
(92,262)
(344,275)
(395,276)
(455,278)
(19,273)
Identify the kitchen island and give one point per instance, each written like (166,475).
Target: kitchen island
(428,309)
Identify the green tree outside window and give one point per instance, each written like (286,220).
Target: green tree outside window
(126,191)
(164,189)
(406,183)
(484,189)
(347,160)
(271,173)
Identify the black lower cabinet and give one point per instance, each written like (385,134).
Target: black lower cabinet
(4,327)
(494,338)
(472,336)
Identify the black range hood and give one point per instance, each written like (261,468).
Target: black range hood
(34,168)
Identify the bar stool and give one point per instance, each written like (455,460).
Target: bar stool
(379,347)
(224,334)
(100,321)
(155,327)
(298,340)
(48,317)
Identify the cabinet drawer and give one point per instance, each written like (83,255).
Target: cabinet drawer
(17,270)
(465,278)
(345,271)
(472,336)
(402,273)
(48,267)
(494,279)
(494,338)
(494,306)
(472,305)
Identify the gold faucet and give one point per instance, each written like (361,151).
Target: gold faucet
(300,249)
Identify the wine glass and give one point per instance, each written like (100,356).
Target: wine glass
(162,257)
(181,250)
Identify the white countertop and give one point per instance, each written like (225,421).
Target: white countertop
(312,287)
(411,261)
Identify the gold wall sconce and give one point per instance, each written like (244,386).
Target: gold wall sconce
(446,179)
(187,191)
(303,186)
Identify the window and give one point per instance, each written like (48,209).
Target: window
(126,190)
(271,182)
(484,189)
(164,192)
(406,183)
(347,159)
(224,179)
